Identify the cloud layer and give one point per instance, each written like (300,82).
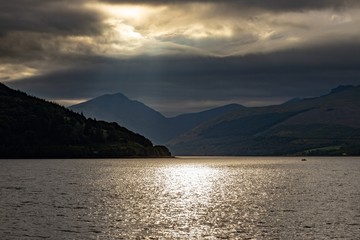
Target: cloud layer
(278,5)
(180,55)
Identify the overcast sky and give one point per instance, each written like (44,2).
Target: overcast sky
(180,56)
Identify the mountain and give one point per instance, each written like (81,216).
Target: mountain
(131,114)
(326,125)
(34,128)
(142,119)
(186,122)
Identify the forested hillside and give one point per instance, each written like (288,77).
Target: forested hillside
(34,128)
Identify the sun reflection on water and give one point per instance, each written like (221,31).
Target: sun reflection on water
(184,200)
(189,184)
(203,200)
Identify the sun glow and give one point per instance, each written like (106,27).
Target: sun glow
(133,13)
(127,11)
(194,28)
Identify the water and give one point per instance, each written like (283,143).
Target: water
(187,198)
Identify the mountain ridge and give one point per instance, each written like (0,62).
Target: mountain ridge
(227,129)
(138,117)
(335,114)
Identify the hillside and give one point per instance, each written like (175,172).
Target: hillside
(326,125)
(34,128)
(186,122)
(142,119)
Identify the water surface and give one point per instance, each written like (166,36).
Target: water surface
(184,198)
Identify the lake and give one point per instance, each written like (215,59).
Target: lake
(182,198)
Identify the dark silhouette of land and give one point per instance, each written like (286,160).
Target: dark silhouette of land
(34,128)
(325,125)
(140,118)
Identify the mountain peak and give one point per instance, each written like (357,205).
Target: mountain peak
(115,95)
(341,88)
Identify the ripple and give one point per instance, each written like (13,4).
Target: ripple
(225,198)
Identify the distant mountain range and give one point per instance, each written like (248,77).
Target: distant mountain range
(142,119)
(325,125)
(34,128)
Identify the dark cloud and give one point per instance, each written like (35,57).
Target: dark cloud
(34,30)
(33,33)
(170,82)
(56,16)
(274,5)
(69,46)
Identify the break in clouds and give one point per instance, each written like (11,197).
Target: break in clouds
(179,55)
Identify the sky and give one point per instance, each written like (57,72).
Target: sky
(180,56)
